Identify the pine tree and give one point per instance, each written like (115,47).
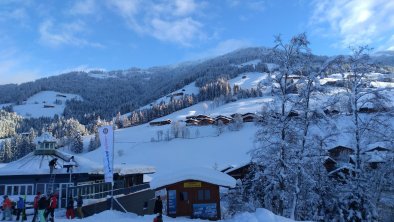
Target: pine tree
(77,143)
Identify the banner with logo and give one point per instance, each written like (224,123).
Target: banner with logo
(107,142)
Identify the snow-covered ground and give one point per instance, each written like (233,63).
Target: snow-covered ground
(43,104)
(261,215)
(204,148)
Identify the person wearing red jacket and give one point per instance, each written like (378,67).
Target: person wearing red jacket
(7,208)
(35,205)
(52,206)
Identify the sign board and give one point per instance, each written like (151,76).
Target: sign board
(107,145)
(191,184)
(206,210)
(171,202)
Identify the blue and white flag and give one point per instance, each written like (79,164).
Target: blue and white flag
(107,142)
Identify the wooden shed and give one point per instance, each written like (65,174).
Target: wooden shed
(192,192)
(160,123)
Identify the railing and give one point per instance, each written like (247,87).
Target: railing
(102,190)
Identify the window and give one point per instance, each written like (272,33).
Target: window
(2,190)
(207,194)
(204,195)
(29,190)
(200,195)
(16,190)
(9,190)
(22,190)
(183,196)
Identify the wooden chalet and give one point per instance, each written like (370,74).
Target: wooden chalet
(377,154)
(206,121)
(160,123)
(193,192)
(72,175)
(238,172)
(250,117)
(341,173)
(338,157)
(341,153)
(330,164)
(368,110)
(191,122)
(224,119)
(198,117)
(293,114)
(331,111)
(49,106)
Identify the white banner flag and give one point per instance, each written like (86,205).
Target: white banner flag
(106,140)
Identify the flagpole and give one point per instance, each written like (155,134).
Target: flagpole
(113,155)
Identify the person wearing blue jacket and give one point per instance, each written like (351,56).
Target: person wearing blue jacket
(20,205)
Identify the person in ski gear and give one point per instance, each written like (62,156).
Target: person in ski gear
(70,214)
(42,206)
(35,205)
(7,208)
(158,218)
(52,165)
(158,208)
(79,205)
(52,206)
(20,206)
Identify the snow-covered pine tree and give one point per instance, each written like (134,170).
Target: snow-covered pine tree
(77,143)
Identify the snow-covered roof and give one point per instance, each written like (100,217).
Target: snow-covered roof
(198,173)
(376,158)
(45,137)
(372,146)
(38,165)
(236,167)
(124,169)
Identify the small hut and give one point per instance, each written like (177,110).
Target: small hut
(192,192)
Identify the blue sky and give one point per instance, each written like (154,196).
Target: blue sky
(41,38)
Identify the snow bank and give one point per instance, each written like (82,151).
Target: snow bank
(261,215)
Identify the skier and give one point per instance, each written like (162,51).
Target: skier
(20,206)
(35,205)
(7,208)
(70,214)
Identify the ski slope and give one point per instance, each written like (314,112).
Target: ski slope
(44,104)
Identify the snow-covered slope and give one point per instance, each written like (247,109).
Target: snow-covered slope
(204,148)
(248,80)
(187,90)
(44,104)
